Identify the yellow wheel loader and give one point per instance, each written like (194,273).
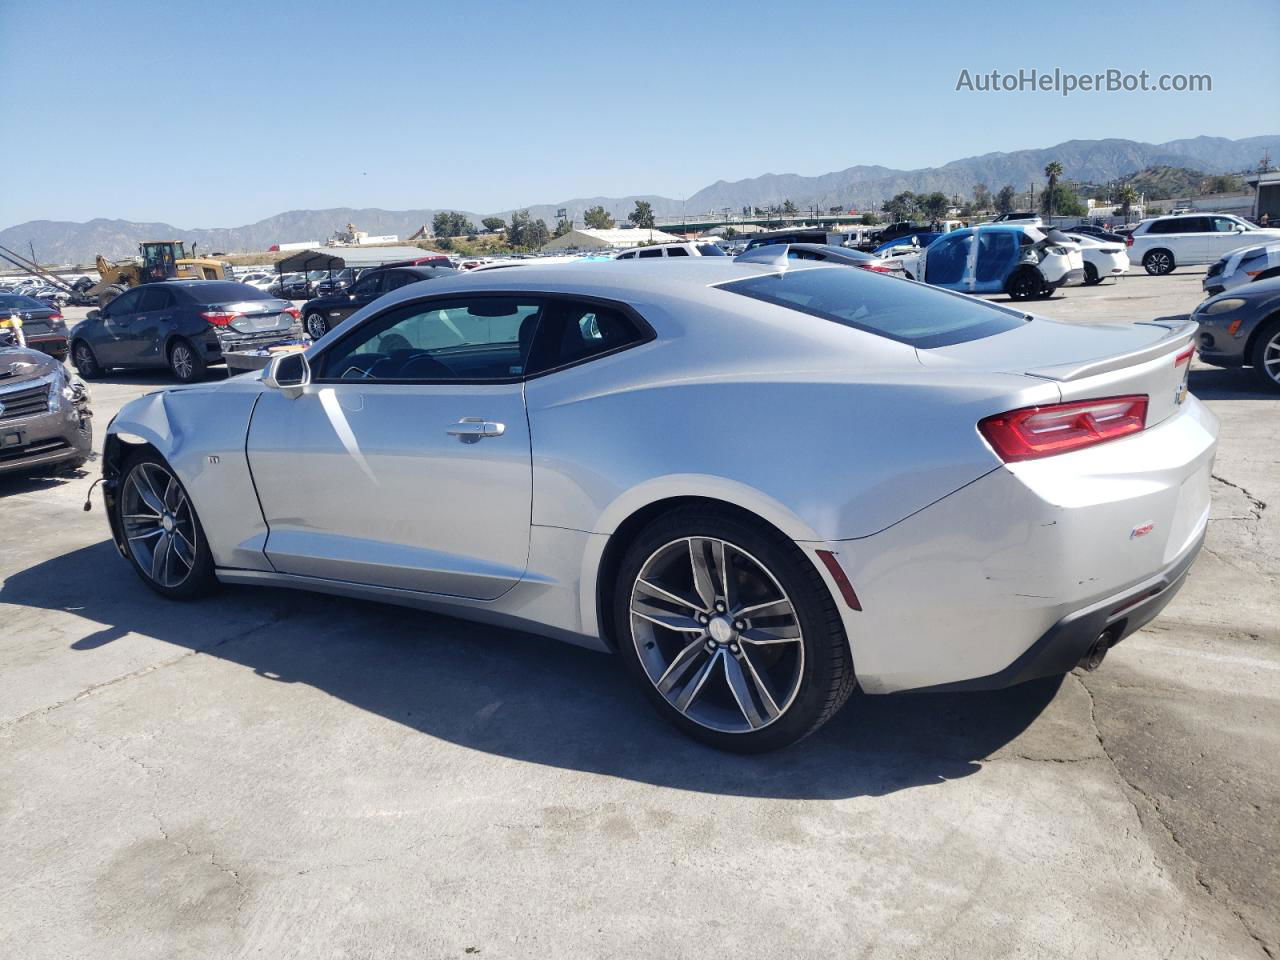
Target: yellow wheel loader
(157,260)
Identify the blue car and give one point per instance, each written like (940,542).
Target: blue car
(1020,260)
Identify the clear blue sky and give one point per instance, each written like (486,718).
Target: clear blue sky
(217,114)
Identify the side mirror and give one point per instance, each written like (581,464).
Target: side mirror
(288,373)
(93,315)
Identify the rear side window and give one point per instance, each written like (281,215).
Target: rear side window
(571,331)
(155,297)
(677,252)
(907,312)
(650,253)
(224,291)
(711,250)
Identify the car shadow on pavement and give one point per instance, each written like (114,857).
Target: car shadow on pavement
(152,377)
(1223,384)
(521,696)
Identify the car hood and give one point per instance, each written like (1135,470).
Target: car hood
(1259,295)
(18,364)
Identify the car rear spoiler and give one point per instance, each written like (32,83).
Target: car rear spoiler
(1181,333)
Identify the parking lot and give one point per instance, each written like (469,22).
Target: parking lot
(280,774)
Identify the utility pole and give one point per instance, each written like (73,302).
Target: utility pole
(32,248)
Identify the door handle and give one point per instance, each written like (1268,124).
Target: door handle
(475,429)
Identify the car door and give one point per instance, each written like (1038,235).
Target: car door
(1227,235)
(363,292)
(114,345)
(996,256)
(405,462)
(149,325)
(1193,240)
(947,260)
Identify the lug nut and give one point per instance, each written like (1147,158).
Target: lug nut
(739,625)
(720,605)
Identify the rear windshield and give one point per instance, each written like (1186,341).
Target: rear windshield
(225,291)
(13,301)
(901,310)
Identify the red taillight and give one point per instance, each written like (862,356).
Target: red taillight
(219,318)
(293,312)
(1035,432)
(56,316)
(1184,356)
(875,267)
(1128,240)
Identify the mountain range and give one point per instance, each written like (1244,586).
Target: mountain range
(858,187)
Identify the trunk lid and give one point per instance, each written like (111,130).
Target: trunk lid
(1086,361)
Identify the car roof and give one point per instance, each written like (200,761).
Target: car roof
(633,281)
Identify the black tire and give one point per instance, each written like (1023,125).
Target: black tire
(1025,284)
(1159,262)
(1267,347)
(200,579)
(85,361)
(1091,278)
(315,325)
(824,677)
(109,293)
(185,362)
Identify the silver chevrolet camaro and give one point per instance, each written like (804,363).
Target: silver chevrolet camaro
(761,484)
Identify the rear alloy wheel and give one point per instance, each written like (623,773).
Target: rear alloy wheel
(1158,263)
(731,631)
(186,364)
(1091,277)
(86,363)
(1026,285)
(162,532)
(1266,355)
(316,326)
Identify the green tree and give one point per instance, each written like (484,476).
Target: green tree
(902,207)
(450,223)
(729,233)
(789,209)
(642,215)
(536,234)
(1126,196)
(493,224)
(934,205)
(757,212)
(981,197)
(1005,199)
(870,219)
(516,229)
(1052,170)
(563,226)
(1063,201)
(597,218)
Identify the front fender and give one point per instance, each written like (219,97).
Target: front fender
(200,432)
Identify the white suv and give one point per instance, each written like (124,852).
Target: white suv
(701,248)
(1163,243)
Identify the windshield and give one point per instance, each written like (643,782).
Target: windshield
(898,309)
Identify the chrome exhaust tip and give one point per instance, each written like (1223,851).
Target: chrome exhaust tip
(1093,658)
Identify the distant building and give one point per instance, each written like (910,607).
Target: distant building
(616,239)
(1266,195)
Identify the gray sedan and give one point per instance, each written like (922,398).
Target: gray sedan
(1241,328)
(759,484)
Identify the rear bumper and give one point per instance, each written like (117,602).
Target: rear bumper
(55,346)
(1072,278)
(1064,644)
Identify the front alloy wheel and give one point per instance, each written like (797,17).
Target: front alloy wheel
(1266,355)
(161,530)
(1158,262)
